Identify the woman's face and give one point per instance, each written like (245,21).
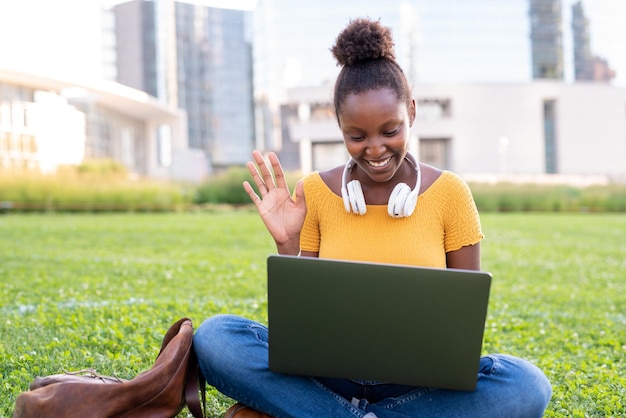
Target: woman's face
(375,127)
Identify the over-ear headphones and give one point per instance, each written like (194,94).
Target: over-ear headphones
(402,200)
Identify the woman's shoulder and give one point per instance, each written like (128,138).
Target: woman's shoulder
(429,176)
(433,176)
(332,179)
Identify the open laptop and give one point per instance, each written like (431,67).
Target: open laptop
(399,324)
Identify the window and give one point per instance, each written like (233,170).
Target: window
(549,133)
(434,151)
(433,108)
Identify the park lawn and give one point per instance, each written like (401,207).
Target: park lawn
(99,291)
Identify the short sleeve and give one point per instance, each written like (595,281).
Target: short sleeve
(310,234)
(462,221)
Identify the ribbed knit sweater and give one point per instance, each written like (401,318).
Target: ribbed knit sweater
(445,219)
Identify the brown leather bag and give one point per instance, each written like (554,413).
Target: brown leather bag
(161,392)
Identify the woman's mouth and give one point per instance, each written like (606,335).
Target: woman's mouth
(378,164)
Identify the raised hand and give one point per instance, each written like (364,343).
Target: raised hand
(282,215)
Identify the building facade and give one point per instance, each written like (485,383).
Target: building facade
(462,56)
(47,122)
(198,58)
(527,130)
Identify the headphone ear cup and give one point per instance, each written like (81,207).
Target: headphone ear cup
(397,199)
(357,200)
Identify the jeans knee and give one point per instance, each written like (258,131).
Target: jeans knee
(212,340)
(209,330)
(532,387)
(228,345)
(541,384)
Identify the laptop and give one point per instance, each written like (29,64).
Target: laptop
(381,322)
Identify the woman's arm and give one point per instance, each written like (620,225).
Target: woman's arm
(465,258)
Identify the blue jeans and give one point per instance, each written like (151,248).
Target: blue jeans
(233,356)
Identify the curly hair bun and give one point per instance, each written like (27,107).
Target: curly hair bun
(363,40)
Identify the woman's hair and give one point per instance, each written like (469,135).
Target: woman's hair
(365,51)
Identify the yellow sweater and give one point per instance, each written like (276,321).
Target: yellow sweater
(445,219)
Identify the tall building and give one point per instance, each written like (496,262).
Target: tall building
(199,59)
(546,36)
(215,81)
(582,48)
(136,45)
(587,67)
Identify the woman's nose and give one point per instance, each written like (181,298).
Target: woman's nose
(376,146)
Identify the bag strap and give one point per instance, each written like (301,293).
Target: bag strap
(195,383)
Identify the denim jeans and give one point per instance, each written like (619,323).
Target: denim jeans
(233,356)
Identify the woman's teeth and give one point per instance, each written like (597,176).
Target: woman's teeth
(379,164)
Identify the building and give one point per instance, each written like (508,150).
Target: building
(547,39)
(47,122)
(443,41)
(587,67)
(481,130)
(197,58)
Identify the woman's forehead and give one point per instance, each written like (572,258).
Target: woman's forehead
(379,100)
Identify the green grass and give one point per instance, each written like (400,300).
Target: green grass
(100,290)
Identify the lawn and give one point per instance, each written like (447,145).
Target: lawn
(100,290)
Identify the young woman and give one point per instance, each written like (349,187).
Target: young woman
(382,206)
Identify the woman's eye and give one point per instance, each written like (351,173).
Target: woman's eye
(391,133)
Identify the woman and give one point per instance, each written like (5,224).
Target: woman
(359,212)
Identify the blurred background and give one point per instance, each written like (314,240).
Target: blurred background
(515,90)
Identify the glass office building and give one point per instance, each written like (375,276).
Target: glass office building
(547,39)
(198,58)
(215,80)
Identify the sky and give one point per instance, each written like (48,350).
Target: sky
(45,36)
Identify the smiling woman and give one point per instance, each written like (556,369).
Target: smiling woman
(374,108)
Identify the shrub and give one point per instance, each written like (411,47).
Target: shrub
(104,186)
(227,187)
(508,197)
(91,187)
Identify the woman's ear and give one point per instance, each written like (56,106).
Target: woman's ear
(412,112)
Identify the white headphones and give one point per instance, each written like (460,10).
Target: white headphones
(402,200)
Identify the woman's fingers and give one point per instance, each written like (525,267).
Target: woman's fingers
(265,179)
(254,172)
(278,170)
(251,193)
(262,175)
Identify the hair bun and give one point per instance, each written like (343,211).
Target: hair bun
(363,40)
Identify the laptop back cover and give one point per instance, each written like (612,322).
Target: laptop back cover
(399,324)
